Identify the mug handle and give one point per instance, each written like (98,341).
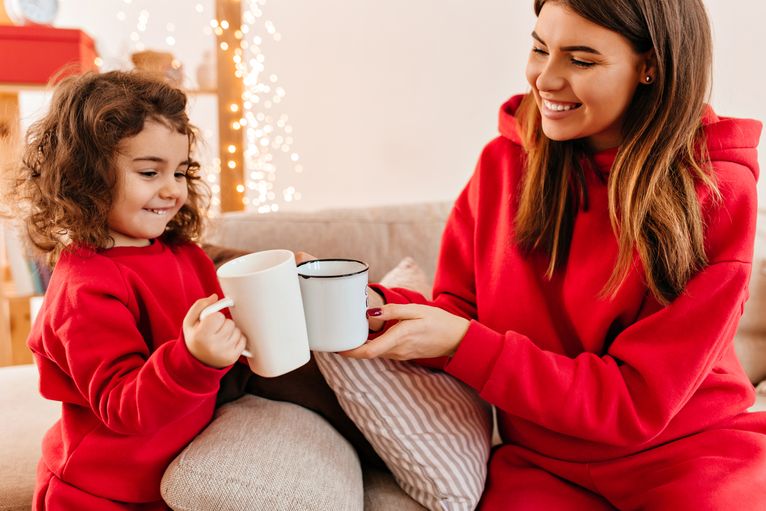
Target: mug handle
(217,306)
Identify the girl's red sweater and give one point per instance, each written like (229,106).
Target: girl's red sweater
(109,346)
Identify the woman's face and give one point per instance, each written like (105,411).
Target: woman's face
(583,77)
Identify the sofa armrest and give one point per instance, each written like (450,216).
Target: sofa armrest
(261,454)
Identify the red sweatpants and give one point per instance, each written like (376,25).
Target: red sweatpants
(53,494)
(722,469)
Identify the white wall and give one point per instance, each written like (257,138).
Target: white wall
(392,101)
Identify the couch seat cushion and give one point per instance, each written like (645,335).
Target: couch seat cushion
(265,455)
(26,417)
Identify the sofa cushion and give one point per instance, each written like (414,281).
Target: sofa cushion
(380,236)
(26,417)
(760,398)
(750,341)
(381,493)
(265,455)
(432,431)
(408,273)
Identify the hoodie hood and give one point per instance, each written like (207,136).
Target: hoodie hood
(728,138)
(731,139)
(509,126)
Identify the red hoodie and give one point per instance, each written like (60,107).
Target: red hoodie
(109,346)
(581,378)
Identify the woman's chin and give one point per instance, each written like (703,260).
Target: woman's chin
(557,136)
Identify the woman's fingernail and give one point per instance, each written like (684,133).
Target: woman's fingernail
(375,311)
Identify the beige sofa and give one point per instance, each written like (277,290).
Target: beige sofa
(271,455)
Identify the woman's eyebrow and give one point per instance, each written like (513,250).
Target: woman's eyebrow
(586,49)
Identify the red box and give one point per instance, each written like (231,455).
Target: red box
(34,54)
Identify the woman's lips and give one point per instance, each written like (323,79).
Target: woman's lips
(558,109)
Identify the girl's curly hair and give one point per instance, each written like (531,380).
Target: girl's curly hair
(66,182)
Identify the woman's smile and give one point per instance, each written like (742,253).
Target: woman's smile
(558,109)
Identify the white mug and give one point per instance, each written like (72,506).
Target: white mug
(263,293)
(335,303)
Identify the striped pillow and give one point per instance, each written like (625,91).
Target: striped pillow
(432,431)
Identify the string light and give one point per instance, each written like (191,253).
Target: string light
(267,141)
(214,182)
(268,144)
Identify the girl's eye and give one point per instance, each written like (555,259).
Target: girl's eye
(180,174)
(582,63)
(148,173)
(539,51)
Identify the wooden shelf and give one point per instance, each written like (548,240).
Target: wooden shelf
(16,323)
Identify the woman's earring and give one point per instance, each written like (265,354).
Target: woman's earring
(648,79)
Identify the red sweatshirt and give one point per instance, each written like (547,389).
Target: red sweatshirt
(109,346)
(581,378)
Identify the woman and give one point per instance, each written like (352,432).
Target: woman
(593,271)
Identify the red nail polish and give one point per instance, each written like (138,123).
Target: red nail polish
(375,311)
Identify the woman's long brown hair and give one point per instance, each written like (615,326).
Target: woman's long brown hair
(66,183)
(653,203)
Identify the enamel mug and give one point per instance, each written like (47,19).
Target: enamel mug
(334,295)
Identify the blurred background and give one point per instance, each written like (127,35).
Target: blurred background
(358,103)
(305,105)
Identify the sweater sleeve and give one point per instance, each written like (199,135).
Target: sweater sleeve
(626,396)
(652,368)
(130,388)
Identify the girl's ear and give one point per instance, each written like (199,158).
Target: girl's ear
(648,68)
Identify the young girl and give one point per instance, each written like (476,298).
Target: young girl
(594,269)
(113,197)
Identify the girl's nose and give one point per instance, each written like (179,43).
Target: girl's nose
(171,189)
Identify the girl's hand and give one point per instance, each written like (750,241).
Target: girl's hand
(215,341)
(422,332)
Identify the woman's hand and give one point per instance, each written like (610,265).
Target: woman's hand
(374,301)
(422,332)
(302,257)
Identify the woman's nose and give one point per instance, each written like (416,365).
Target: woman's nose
(550,78)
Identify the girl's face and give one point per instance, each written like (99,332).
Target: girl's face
(583,77)
(151,184)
